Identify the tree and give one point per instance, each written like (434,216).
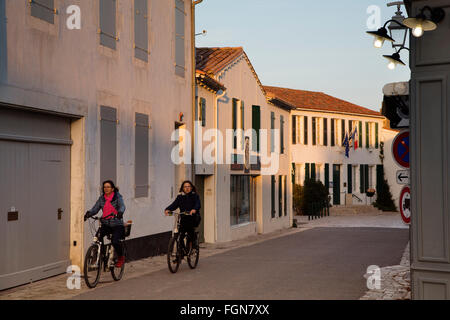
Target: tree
(384,200)
(313,192)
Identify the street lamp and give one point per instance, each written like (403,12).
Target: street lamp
(394,59)
(396,29)
(420,23)
(381,35)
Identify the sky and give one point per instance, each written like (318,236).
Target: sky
(307,45)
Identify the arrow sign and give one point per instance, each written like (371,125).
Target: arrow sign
(402,177)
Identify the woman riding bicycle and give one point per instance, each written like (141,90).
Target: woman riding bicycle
(111,203)
(187,201)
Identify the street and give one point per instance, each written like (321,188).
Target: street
(320,263)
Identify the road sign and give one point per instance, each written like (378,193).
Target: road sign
(400,149)
(402,176)
(405,205)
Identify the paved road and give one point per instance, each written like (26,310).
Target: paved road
(321,263)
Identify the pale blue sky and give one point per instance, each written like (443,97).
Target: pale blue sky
(308,45)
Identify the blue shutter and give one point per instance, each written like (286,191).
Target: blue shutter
(44,10)
(141,155)
(141,29)
(108,143)
(108,23)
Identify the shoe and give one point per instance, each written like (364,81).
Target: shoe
(120,262)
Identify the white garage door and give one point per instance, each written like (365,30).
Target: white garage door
(34,196)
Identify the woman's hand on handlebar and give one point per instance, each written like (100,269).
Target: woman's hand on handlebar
(192,212)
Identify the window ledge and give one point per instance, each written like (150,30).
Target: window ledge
(236,226)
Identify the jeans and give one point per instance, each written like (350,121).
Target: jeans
(117,235)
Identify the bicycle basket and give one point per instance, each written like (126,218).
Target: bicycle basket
(127,226)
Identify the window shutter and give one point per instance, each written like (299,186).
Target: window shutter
(360,135)
(203,111)
(293,173)
(313,129)
(313,171)
(325,131)
(376,135)
(361,178)
(242,124)
(141,29)
(285,194)
(141,155)
(305,128)
(294,129)
(349,179)
(327,175)
(342,131)
(367,135)
(44,10)
(350,126)
(256,125)
(273,196)
(307,172)
(333,142)
(380,177)
(280,196)
(272,126)
(108,143)
(282,134)
(234,116)
(108,23)
(179,38)
(366,177)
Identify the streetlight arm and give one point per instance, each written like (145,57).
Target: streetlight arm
(400,24)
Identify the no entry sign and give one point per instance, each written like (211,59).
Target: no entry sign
(405,205)
(400,149)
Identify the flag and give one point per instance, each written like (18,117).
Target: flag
(346,145)
(354,138)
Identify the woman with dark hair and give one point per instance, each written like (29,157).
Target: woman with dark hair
(187,201)
(112,206)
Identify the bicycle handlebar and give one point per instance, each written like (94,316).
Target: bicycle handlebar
(185,213)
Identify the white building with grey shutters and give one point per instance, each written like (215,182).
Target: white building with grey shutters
(81,106)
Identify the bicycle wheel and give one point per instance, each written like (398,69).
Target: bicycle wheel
(173,255)
(194,255)
(92,269)
(117,273)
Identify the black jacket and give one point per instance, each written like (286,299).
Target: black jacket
(186,202)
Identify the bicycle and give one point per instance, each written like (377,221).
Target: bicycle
(179,249)
(103,256)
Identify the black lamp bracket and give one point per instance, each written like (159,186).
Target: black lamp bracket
(400,24)
(436,14)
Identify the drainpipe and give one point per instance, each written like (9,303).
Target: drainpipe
(194,86)
(216,125)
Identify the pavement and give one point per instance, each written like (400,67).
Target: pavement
(56,288)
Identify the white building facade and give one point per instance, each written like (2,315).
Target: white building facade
(318,128)
(241,197)
(80,106)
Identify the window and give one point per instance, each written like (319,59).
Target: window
(285,195)
(327,175)
(294,129)
(318,168)
(342,131)
(325,131)
(299,129)
(179,38)
(241,199)
(298,178)
(370,177)
(367,136)
(108,143)
(337,140)
(238,122)
(360,138)
(256,126)
(363,178)
(108,35)
(44,10)
(376,136)
(349,179)
(141,156)
(202,111)
(141,30)
(354,168)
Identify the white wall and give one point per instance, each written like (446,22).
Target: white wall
(52,68)
(390,165)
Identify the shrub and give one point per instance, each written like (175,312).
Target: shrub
(313,192)
(384,200)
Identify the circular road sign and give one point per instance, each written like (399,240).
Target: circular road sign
(400,149)
(405,205)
